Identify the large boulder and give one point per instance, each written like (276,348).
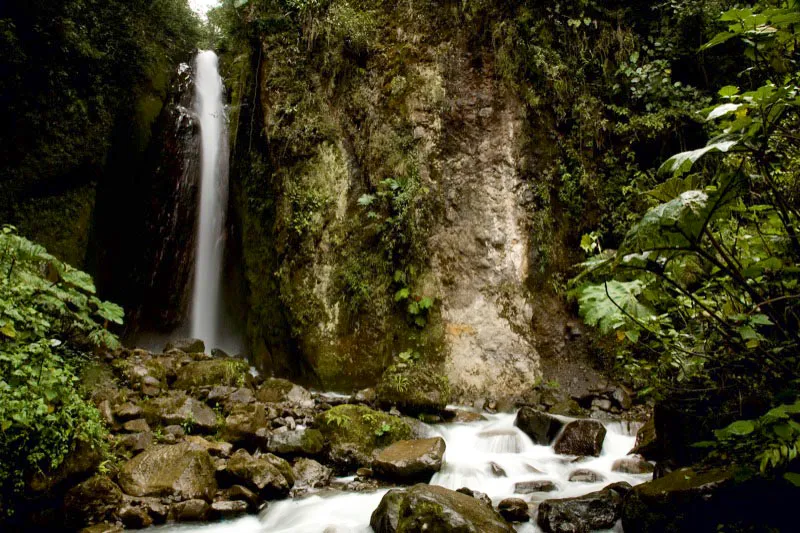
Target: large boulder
(434,508)
(581,437)
(248,425)
(226,372)
(297,442)
(179,470)
(178,408)
(416,389)
(410,460)
(91,501)
(596,510)
(646,444)
(355,433)
(541,427)
(270,476)
(186,345)
(514,510)
(703,501)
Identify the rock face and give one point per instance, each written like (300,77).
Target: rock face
(596,510)
(270,476)
(433,508)
(581,437)
(541,427)
(170,470)
(354,434)
(410,460)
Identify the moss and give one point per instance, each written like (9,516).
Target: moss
(355,432)
(274,390)
(228,372)
(414,387)
(312,441)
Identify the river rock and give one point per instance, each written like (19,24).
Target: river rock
(581,437)
(227,509)
(276,390)
(189,511)
(178,408)
(136,426)
(134,517)
(541,427)
(410,460)
(186,346)
(646,444)
(211,372)
(248,424)
(91,501)
(514,510)
(632,465)
(242,494)
(462,416)
(178,470)
(584,475)
(433,508)
(102,528)
(529,487)
(582,514)
(426,390)
(480,496)
(497,470)
(127,411)
(298,442)
(270,476)
(355,433)
(214,448)
(309,474)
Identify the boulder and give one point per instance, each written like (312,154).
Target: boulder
(102,528)
(81,462)
(309,474)
(136,426)
(127,411)
(186,346)
(214,448)
(241,493)
(646,444)
(581,437)
(434,508)
(270,476)
(211,372)
(247,425)
(582,475)
(178,408)
(417,389)
(135,442)
(298,442)
(596,510)
(91,501)
(480,496)
(276,390)
(189,511)
(539,485)
(178,470)
(134,517)
(355,433)
(632,465)
(514,510)
(541,427)
(410,460)
(462,416)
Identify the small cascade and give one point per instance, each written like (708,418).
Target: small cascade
(489,456)
(206,300)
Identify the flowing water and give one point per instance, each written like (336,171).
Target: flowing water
(472,451)
(206,299)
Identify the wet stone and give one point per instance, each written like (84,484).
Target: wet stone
(530,487)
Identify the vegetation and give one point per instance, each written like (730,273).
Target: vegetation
(702,291)
(50,323)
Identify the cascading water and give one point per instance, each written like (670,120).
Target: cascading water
(474,452)
(206,301)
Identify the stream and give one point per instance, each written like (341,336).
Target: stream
(472,449)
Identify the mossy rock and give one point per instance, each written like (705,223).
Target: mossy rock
(180,470)
(274,390)
(213,372)
(418,388)
(355,433)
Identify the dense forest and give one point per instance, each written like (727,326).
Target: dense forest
(530,233)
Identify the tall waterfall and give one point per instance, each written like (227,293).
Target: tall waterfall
(206,299)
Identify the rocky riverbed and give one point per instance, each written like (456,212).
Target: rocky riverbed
(201,438)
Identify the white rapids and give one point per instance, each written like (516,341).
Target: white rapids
(472,450)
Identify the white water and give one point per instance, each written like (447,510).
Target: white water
(206,293)
(471,448)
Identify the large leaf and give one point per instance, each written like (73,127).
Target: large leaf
(608,306)
(682,162)
(673,224)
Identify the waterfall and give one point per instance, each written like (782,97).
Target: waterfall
(206,301)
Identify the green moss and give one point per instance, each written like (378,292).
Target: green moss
(274,390)
(226,372)
(414,387)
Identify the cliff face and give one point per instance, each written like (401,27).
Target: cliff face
(391,172)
